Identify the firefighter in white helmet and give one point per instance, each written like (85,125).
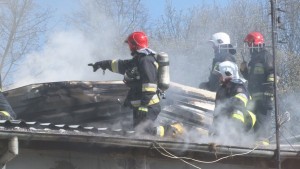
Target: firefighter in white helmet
(223,51)
(231,100)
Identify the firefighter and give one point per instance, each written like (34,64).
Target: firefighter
(141,76)
(231,101)
(260,75)
(6,112)
(223,51)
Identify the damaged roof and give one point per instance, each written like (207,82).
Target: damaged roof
(47,132)
(100,104)
(93,112)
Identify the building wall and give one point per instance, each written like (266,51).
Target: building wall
(56,159)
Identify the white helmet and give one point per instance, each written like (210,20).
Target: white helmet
(228,69)
(220,38)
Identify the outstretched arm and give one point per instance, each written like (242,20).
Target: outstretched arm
(116,66)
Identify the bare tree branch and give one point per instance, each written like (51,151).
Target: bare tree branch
(21,25)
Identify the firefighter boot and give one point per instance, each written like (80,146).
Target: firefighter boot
(5,116)
(170,130)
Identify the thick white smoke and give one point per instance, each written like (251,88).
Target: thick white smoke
(57,61)
(63,58)
(66,54)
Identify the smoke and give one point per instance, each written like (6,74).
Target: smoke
(231,133)
(190,69)
(225,132)
(291,128)
(63,58)
(66,54)
(188,65)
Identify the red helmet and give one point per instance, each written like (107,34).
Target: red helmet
(254,39)
(137,40)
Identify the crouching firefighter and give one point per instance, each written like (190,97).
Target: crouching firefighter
(142,75)
(231,101)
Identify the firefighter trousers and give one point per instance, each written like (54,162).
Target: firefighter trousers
(146,122)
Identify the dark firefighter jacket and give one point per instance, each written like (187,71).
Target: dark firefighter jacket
(231,102)
(140,74)
(220,56)
(6,112)
(260,73)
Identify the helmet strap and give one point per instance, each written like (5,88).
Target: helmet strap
(134,53)
(226,80)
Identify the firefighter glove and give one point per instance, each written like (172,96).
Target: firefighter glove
(142,112)
(243,66)
(102,64)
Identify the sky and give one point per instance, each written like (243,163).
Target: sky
(156,6)
(62,8)
(65,7)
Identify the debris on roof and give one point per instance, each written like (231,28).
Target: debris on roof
(92,113)
(100,104)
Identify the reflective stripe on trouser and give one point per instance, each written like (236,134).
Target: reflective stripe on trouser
(271,78)
(137,103)
(253,118)
(250,120)
(238,115)
(149,87)
(242,97)
(145,109)
(151,116)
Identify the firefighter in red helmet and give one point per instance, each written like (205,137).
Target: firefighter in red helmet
(136,41)
(260,75)
(141,76)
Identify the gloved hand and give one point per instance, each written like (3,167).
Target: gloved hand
(102,64)
(142,112)
(243,66)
